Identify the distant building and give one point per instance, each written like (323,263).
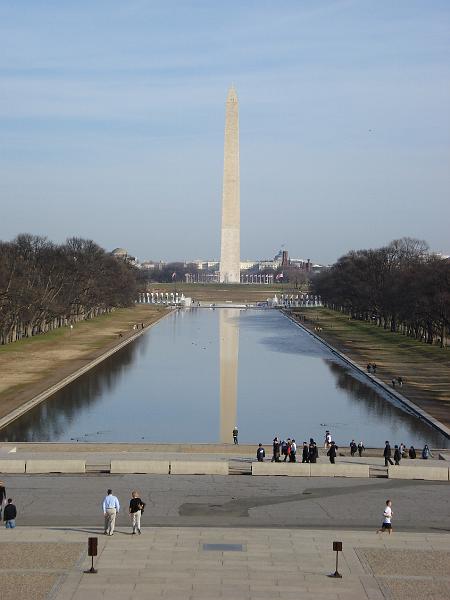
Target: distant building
(122,254)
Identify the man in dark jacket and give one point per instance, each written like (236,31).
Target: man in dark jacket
(313,452)
(332,452)
(260,453)
(353,448)
(397,455)
(9,515)
(387,454)
(305,453)
(276,450)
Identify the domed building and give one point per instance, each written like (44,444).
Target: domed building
(120,253)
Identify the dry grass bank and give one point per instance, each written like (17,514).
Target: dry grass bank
(30,366)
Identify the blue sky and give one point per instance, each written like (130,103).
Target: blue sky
(112,116)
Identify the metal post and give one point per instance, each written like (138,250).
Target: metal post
(92,551)
(337,547)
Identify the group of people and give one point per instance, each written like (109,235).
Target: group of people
(356,448)
(7,508)
(400,452)
(397,381)
(288,450)
(111,508)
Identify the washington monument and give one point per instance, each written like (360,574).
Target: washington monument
(231,219)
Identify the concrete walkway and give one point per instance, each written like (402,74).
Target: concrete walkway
(173,563)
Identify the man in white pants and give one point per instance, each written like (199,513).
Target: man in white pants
(111,509)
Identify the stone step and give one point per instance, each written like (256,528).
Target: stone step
(98,468)
(378,472)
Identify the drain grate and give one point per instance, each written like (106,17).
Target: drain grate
(223,547)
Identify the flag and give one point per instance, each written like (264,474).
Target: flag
(279,276)
(174,275)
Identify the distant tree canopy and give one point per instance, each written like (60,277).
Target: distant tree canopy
(401,287)
(45,285)
(166,274)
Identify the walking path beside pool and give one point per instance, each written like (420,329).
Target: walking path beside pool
(173,563)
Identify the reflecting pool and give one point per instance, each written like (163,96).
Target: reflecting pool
(198,373)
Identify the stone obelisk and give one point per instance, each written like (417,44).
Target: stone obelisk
(231,217)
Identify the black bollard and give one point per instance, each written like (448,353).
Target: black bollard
(337,547)
(92,551)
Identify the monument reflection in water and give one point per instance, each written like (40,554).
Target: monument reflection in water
(198,373)
(229,352)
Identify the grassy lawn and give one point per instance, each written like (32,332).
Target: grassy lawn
(425,369)
(216,292)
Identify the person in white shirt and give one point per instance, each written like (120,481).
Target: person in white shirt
(387,517)
(111,509)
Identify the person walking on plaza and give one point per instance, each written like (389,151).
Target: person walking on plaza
(293,452)
(360,448)
(136,509)
(397,455)
(260,453)
(353,448)
(387,517)
(111,509)
(9,515)
(235,435)
(387,454)
(284,449)
(332,452)
(276,450)
(412,452)
(2,497)
(327,442)
(305,453)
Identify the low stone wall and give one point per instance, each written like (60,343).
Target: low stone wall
(339,470)
(281,468)
(154,467)
(426,473)
(190,467)
(12,466)
(310,470)
(55,466)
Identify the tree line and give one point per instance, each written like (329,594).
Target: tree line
(45,285)
(401,287)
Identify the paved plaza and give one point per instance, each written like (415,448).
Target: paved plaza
(233,501)
(174,563)
(236,536)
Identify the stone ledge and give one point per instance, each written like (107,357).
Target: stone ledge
(339,470)
(426,473)
(55,466)
(190,467)
(154,467)
(284,469)
(12,466)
